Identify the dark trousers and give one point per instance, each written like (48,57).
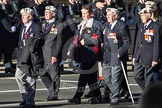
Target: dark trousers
(106,91)
(124,88)
(8,41)
(156,73)
(112,76)
(52,80)
(143,75)
(91,80)
(7,54)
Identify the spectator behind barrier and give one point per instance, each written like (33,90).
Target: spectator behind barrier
(152,97)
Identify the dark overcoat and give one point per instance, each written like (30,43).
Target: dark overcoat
(116,41)
(147,44)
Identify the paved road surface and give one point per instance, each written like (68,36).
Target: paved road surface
(10,97)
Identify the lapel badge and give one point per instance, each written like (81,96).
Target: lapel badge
(31,35)
(30,29)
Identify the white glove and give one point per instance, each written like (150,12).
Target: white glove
(13,29)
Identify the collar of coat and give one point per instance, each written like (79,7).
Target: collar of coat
(28,25)
(52,20)
(89,24)
(147,24)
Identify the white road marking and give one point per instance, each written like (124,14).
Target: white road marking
(68,87)
(2,78)
(41,89)
(40,103)
(65,85)
(133,84)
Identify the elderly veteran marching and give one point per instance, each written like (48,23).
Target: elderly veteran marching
(52,36)
(28,58)
(116,44)
(158,19)
(146,54)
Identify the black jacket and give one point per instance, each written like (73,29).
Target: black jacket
(147,45)
(87,53)
(52,37)
(118,44)
(30,56)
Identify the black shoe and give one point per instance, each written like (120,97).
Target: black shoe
(10,70)
(106,98)
(90,94)
(74,101)
(28,106)
(114,103)
(13,66)
(49,98)
(22,103)
(95,100)
(126,97)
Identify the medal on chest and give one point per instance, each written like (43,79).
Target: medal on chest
(112,36)
(43,26)
(148,35)
(53,29)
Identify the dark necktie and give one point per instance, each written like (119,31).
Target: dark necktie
(47,26)
(23,33)
(110,26)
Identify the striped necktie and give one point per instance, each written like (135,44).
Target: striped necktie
(23,33)
(47,26)
(145,26)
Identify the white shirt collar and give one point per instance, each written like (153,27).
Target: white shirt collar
(89,23)
(52,20)
(28,25)
(113,24)
(146,24)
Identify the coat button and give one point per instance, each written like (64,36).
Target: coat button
(141,45)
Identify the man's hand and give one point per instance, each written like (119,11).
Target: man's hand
(13,29)
(53,60)
(73,1)
(82,42)
(154,63)
(68,53)
(133,61)
(101,44)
